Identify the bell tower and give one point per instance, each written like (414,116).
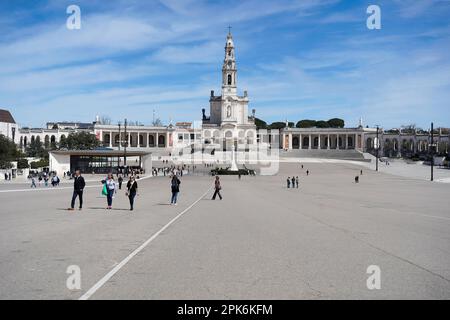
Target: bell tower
(229,70)
(229,110)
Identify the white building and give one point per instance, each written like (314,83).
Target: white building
(8,126)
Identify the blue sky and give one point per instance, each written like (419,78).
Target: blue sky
(304,59)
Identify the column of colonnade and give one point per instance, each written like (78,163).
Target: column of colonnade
(144,140)
(324,141)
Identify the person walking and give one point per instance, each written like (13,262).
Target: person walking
(293,182)
(54,181)
(175,187)
(78,187)
(110,190)
(33,183)
(296,181)
(288,181)
(217,188)
(120,180)
(307,172)
(132,187)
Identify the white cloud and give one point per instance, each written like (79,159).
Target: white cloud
(113,63)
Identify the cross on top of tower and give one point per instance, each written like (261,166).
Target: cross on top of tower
(229,29)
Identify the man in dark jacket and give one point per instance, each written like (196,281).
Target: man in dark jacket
(78,186)
(175,187)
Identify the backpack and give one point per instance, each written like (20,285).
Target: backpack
(176,185)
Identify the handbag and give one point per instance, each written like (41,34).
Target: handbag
(104,190)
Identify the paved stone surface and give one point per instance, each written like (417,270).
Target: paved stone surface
(263,241)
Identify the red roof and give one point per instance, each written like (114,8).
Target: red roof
(5,116)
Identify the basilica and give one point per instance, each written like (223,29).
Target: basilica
(229,125)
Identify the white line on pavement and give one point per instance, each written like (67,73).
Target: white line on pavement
(119,266)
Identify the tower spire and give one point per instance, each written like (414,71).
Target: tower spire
(229,69)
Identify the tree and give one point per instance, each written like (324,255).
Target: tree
(8,149)
(79,141)
(260,124)
(8,152)
(36,149)
(280,125)
(62,140)
(336,123)
(306,124)
(39,164)
(22,164)
(409,128)
(5,164)
(322,124)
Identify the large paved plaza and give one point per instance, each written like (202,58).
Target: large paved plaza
(262,241)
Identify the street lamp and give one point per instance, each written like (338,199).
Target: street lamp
(120,136)
(125,147)
(377,146)
(431,151)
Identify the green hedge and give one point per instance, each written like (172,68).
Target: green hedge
(39,164)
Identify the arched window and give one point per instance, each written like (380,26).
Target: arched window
(161,141)
(369,144)
(229,80)
(305,142)
(151,140)
(350,142)
(53,142)
(316,142)
(295,143)
(106,139)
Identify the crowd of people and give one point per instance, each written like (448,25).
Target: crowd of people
(173,170)
(44,178)
(292,181)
